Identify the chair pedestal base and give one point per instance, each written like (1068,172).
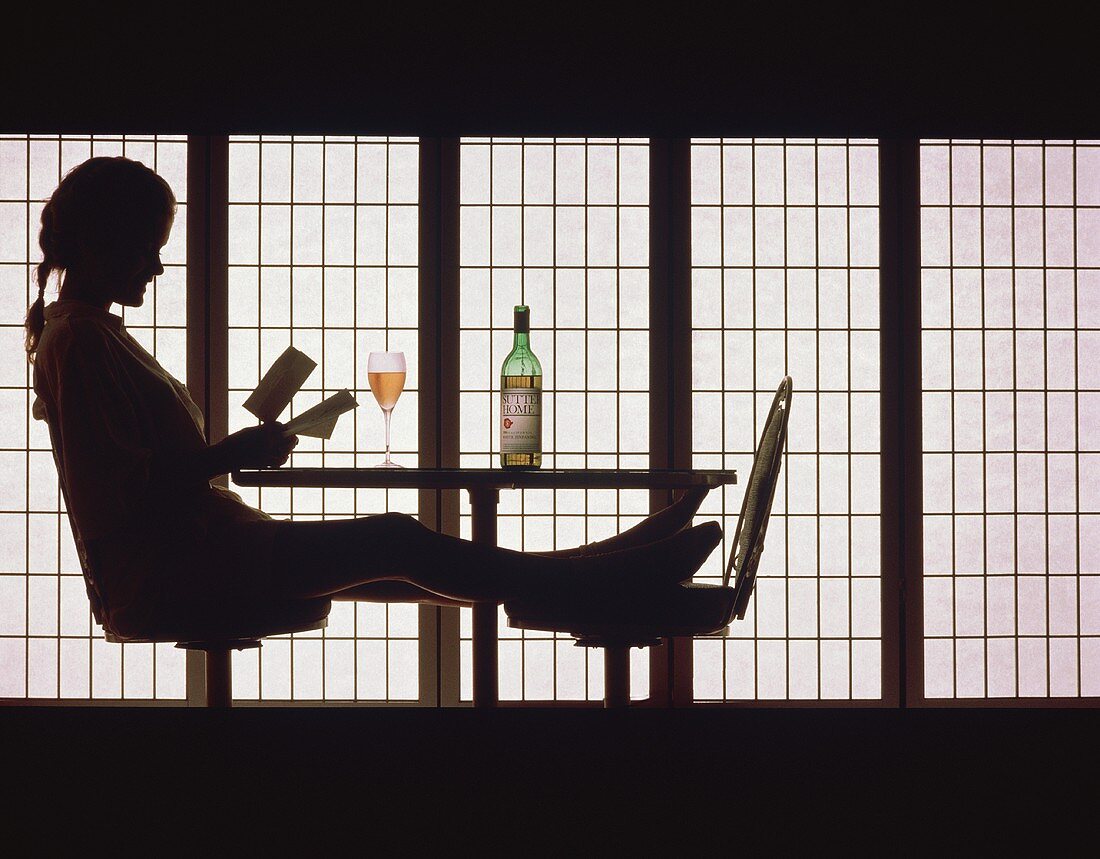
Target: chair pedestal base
(616,677)
(219,679)
(616,664)
(218,694)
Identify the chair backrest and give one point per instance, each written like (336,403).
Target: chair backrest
(748,541)
(95,597)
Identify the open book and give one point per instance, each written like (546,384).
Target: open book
(282,382)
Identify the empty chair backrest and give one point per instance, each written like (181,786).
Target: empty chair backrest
(752,525)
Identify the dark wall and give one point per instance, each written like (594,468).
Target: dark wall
(584,782)
(542,69)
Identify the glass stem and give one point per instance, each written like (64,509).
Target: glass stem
(387,412)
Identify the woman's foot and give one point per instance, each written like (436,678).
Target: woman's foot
(664,523)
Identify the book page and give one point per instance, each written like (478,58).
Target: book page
(280,384)
(320,420)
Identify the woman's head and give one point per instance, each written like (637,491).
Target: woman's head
(103,228)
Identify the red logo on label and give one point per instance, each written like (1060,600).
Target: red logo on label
(507,423)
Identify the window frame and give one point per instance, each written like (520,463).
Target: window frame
(902,623)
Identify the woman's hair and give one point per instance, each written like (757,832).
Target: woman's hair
(103,204)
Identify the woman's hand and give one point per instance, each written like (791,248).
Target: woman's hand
(264,446)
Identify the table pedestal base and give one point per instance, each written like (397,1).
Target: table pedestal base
(483,504)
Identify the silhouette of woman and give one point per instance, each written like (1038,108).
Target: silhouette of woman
(136,467)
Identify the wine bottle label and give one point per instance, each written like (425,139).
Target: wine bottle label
(520,420)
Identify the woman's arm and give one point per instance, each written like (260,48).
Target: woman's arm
(264,446)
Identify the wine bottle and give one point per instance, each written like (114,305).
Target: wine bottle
(521,399)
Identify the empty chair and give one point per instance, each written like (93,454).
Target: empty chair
(630,620)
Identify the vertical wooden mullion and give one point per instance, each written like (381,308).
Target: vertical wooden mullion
(671,682)
(207,312)
(660,670)
(902,541)
(428,386)
(449,382)
(439,394)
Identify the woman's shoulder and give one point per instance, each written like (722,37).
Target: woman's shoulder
(56,343)
(71,348)
(65,330)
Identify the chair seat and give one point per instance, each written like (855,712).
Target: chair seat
(208,625)
(636,619)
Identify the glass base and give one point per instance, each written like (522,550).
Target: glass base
(388,463)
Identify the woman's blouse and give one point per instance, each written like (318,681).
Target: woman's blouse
(118,420)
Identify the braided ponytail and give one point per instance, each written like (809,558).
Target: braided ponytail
(36,316)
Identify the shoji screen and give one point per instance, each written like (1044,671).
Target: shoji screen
(50,647)
(1011,376)
(785,281)
(562,226)
(323,256)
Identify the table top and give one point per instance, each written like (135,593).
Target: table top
(487,478)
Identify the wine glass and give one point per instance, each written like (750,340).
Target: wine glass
(386,374)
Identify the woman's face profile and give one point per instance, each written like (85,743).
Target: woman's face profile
(132,265)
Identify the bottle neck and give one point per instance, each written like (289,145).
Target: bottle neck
(521,340)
